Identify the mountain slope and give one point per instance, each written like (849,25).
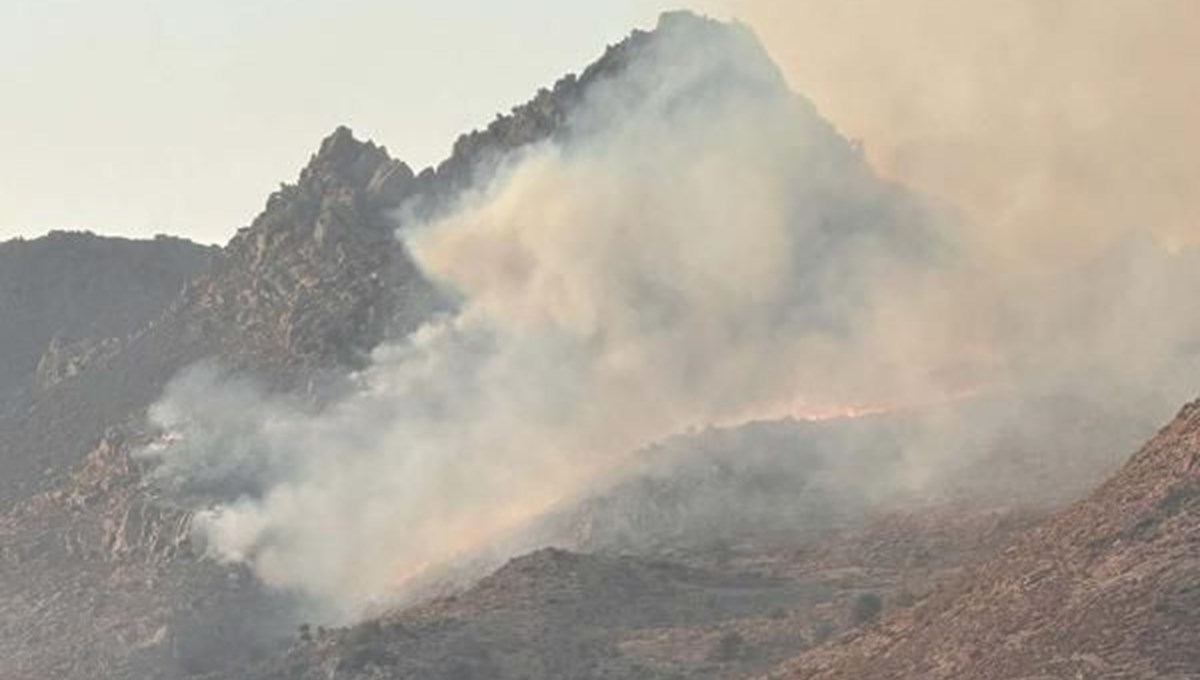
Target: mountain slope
(91,551)
(1110,587)
(100,576)
(313,283)
(64,295)
(299,297)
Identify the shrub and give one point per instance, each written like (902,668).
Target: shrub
(866,608)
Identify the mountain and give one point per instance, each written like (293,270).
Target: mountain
(1107,588)
(726,553)
(727,611)
(100,574)
(68,297)
(314,282)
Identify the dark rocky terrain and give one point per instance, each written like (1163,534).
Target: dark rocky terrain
(760,550)
(68,299)
(724,609)
(1106,588)
(99,578)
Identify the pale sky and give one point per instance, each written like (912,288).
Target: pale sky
(137,117)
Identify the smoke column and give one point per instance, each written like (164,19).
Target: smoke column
(1057,125)
(702,248)
(1062,133)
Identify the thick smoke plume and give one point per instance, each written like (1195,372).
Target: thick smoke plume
(1062,133)
(701,248)
(1057,125)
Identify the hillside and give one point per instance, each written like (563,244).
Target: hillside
(68,297)
(1107,588)
(100,576)
(729,610)
(796,547)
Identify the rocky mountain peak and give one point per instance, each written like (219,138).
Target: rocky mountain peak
(345,162)
(318,276)
(344,191)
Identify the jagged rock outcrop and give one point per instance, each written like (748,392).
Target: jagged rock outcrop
(318,278)
(65,360)
(314,283)
(99,578)
(91,549)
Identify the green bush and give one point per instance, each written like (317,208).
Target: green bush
(866,608)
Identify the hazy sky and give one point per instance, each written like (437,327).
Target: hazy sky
(137,117)
(145,116)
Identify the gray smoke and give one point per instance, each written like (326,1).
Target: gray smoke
(701,249)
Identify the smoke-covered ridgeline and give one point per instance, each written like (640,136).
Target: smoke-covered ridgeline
(698,247)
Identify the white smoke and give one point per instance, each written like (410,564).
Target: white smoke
(705,249)
(701,248)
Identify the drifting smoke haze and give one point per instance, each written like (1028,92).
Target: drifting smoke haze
(1056,125)
(1063,135)
(702,248)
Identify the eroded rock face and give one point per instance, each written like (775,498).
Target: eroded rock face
(318,278)
(91,549)
(65,360)
(99,577)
